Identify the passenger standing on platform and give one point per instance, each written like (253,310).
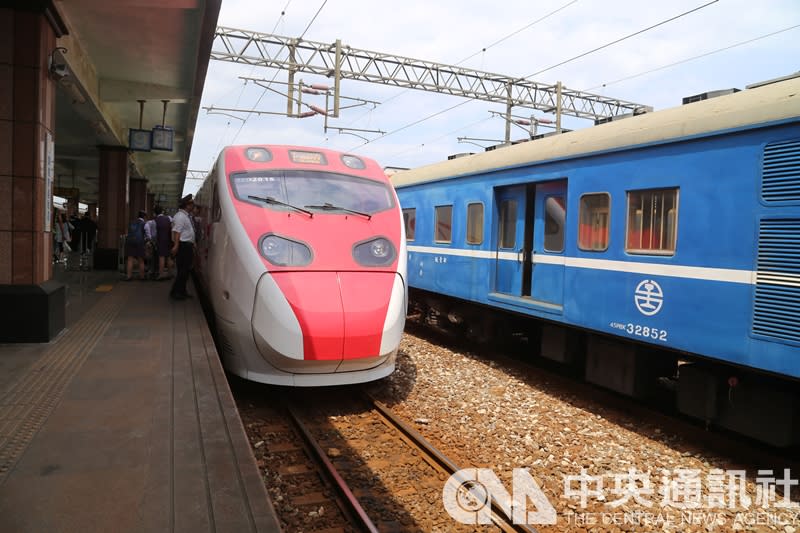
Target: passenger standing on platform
(134,246)
(150,252)
(88,232)
(63,235)
(183,247)
(163,241)
(76,232)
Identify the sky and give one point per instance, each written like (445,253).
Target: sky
(722,44)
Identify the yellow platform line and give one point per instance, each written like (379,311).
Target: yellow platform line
(25,406)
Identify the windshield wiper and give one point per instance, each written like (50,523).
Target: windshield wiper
(272,201)
(330,207)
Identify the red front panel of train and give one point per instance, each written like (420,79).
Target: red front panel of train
(341,314)
(365,301)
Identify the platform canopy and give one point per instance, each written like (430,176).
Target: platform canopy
(129,64)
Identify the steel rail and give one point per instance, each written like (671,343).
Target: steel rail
(346,495)
(499,515)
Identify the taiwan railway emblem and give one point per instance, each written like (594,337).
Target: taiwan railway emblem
(648,297)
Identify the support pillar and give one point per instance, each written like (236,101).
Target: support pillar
(151,203)
(138,194)
(33,305)
(113,209)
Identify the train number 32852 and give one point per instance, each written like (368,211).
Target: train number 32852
(641,331)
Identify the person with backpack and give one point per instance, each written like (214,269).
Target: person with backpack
(163,241)
(134,246)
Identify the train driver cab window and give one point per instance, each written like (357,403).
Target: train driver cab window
(652,221)
(555,210)
(594,222)
(444,223)
(475,223)
(410,220)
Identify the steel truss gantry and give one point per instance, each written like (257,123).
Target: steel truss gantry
(337,61)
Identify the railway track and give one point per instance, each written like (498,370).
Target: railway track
(351,464)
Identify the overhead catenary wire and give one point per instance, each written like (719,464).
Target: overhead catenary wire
(484,49)
(688,59)
(313,19)
(551,67)
(241,92)
(443,111)
(406,150)
(634,34)
(511,34)
(515,32)
(264,92)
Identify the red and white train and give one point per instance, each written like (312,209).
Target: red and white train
(302,255)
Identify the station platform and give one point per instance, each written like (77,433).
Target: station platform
(125,421)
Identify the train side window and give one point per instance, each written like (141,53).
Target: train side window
(444,223)
(410,221)
(508,224)
(475,223)
(594,222)
(554,216)
(652,221)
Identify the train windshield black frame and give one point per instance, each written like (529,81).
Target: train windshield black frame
(313,188)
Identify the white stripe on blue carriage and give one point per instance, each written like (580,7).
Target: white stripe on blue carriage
(728,275)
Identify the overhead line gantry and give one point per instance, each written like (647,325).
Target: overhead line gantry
(337,61)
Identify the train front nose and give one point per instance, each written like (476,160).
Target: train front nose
(312,321)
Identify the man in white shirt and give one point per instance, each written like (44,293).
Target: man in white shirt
(183,247)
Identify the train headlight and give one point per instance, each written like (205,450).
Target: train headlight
(284,252)
(378,251)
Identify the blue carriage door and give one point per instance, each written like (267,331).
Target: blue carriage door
(509,240)
(547,278)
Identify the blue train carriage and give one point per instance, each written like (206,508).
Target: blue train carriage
(678,229)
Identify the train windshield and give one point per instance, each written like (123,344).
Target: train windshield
(323,191)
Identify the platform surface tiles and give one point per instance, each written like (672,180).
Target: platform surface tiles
(125,421)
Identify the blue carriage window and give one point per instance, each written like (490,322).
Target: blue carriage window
(508,224)
(652,221)
(444,223)
(475,223)
(554,217)
(410,220)
(594,222)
